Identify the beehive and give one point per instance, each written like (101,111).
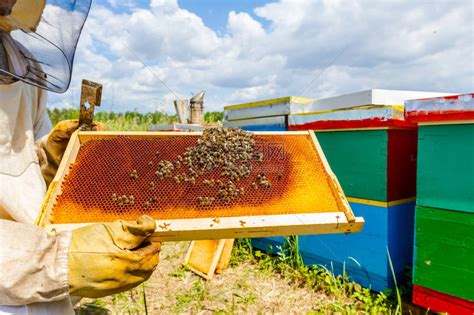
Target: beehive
(98,165)
(372,151)
(444,221)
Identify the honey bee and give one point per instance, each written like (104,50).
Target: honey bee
(125,199)
(265,184)
(153,199)
(114,197)
(146,205)
(151,185)
(131,199)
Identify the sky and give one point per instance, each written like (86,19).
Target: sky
(148,52)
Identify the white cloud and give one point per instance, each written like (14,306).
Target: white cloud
(350,46)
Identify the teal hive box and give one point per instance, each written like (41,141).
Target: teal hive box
(377,164)
(446,167)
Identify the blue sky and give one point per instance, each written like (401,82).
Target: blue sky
(213,12)
(241,51)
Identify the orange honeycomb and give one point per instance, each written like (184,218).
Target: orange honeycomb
(299,181)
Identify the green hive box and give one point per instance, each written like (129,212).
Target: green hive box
(378,164)
(444,251)
(446,167)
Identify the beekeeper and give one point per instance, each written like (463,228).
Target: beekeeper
(39,273)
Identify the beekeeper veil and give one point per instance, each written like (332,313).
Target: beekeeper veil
(39,39)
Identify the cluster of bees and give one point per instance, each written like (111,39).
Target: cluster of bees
(165,169)
(262,181)
(123,200)
(230,192)
(231,149)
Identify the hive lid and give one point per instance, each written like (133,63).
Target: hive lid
(265,108)
(304,197)
(440,109)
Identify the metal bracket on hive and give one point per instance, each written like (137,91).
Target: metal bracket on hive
(91,96)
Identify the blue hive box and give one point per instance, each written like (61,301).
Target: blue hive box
(362,255)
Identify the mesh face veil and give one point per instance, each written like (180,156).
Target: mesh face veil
(40,39)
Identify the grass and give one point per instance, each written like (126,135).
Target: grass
(129,121)
(256,282)
(287,261)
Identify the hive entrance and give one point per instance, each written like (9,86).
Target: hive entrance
(280,175)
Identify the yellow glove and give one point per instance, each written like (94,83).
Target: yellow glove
(52,150)
(109,258)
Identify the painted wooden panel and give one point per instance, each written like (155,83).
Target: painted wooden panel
(454,107)
(401,163)
(362,255)
(446,167)
(444,251)
(265,128)
(264,108)
(276,121)
(363,98)
(439,302)
(359,160)
(373,164)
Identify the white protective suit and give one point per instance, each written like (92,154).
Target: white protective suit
(33,264)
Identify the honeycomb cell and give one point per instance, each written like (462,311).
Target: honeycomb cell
(297,181)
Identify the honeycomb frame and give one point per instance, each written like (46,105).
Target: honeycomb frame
(214,227)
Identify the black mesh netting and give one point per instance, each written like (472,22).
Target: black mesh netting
(50,50)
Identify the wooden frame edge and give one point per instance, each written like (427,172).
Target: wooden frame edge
(212,267)
(381,203)
(244,226)
(54,188)
(348,211)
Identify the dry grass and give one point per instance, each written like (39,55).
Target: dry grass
(244,288)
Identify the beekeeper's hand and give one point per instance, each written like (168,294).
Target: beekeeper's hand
(113,257)
(53,146)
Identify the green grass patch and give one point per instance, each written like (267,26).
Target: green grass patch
(128,121)
(287,261)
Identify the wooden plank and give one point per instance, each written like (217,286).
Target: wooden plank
(226,254)
(347,209)
(356,129)
(241,227)
(203,256)
(86,136)
(54,188)
(381,203)
(401,163)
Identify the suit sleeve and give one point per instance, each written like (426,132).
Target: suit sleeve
(33,264)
